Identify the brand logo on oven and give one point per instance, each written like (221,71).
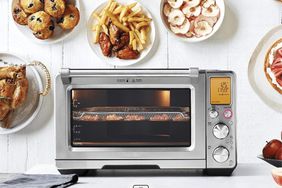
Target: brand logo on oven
(129,80)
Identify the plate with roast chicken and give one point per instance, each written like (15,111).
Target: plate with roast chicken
(265,69)
(21,92)
(121,32)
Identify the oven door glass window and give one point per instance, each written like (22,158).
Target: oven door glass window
(130,117)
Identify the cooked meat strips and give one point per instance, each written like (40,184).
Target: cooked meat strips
(115,34)
(118,38)
(128,53)
(122,42)
(105,44)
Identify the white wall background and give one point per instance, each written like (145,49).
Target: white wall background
(246,22)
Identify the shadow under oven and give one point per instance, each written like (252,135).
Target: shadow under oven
(150,118)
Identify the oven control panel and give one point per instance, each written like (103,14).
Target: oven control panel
(221,120)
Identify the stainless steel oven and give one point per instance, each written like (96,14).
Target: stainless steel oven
(169,119)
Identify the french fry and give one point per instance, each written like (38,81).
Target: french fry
(138,19)
(123,13)
(141,24)
(131,37)
(131,5)
(105,29)
(96,16)
(113,6)
(134,44)
(131,26)
(122,27)
(134,12)
(143,36)
(118,9)
(139,43)
(97,33)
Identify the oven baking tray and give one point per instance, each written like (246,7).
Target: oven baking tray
(132,114)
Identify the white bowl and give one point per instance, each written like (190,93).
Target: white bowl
(220,4)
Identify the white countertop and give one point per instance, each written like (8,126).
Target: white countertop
(245,176)
(245,23)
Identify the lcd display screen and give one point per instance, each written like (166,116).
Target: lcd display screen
(220,91)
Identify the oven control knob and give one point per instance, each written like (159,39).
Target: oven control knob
(220,154)
(220,131)
(213,114)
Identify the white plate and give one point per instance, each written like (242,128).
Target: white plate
(256,74)
(220,4)
(58,35)
(25,114)
(114,60)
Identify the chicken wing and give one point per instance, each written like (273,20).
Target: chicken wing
(105,44)
(128,53)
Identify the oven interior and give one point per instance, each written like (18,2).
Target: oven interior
(130,117)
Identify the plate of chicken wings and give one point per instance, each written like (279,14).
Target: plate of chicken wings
(121,32)
(21,93)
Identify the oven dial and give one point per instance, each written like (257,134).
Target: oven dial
(220,131)
(213,114)
(220,154)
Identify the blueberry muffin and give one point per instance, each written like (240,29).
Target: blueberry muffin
(39,21)
(32,6)
(45,33)
(55,8)
(70,18)
(19,15)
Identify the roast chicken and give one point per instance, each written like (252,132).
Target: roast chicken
(13,91)
(116,43)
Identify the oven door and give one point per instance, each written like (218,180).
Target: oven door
(131,116)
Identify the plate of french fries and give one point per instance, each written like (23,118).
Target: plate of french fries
(121,32)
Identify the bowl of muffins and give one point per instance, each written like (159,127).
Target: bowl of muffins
(46,21)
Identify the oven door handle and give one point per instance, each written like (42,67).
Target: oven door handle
(67,74)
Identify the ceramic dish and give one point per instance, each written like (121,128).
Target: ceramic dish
(220,4)
(273,162)
(58,36)
(26,113)
(256,74)
(113,60)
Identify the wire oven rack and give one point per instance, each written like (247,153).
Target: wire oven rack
(132,114)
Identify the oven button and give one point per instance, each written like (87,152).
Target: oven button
(220,154)
(140,186)
(213,114)
(220,131)
(227,114)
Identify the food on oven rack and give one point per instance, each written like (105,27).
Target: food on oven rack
(273,66)
(193,18)
(88,117)
(113,117)
(134,118)
(163,117)
(122,30)
(13,91)
(132,114)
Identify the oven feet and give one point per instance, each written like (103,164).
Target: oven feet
(79,172)
(218,172)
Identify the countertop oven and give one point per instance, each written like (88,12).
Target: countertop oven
(168,119)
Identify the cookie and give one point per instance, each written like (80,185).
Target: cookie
(39,21)
(55,8)
(45,33)
(32,6)
(70,18)
(19,15)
